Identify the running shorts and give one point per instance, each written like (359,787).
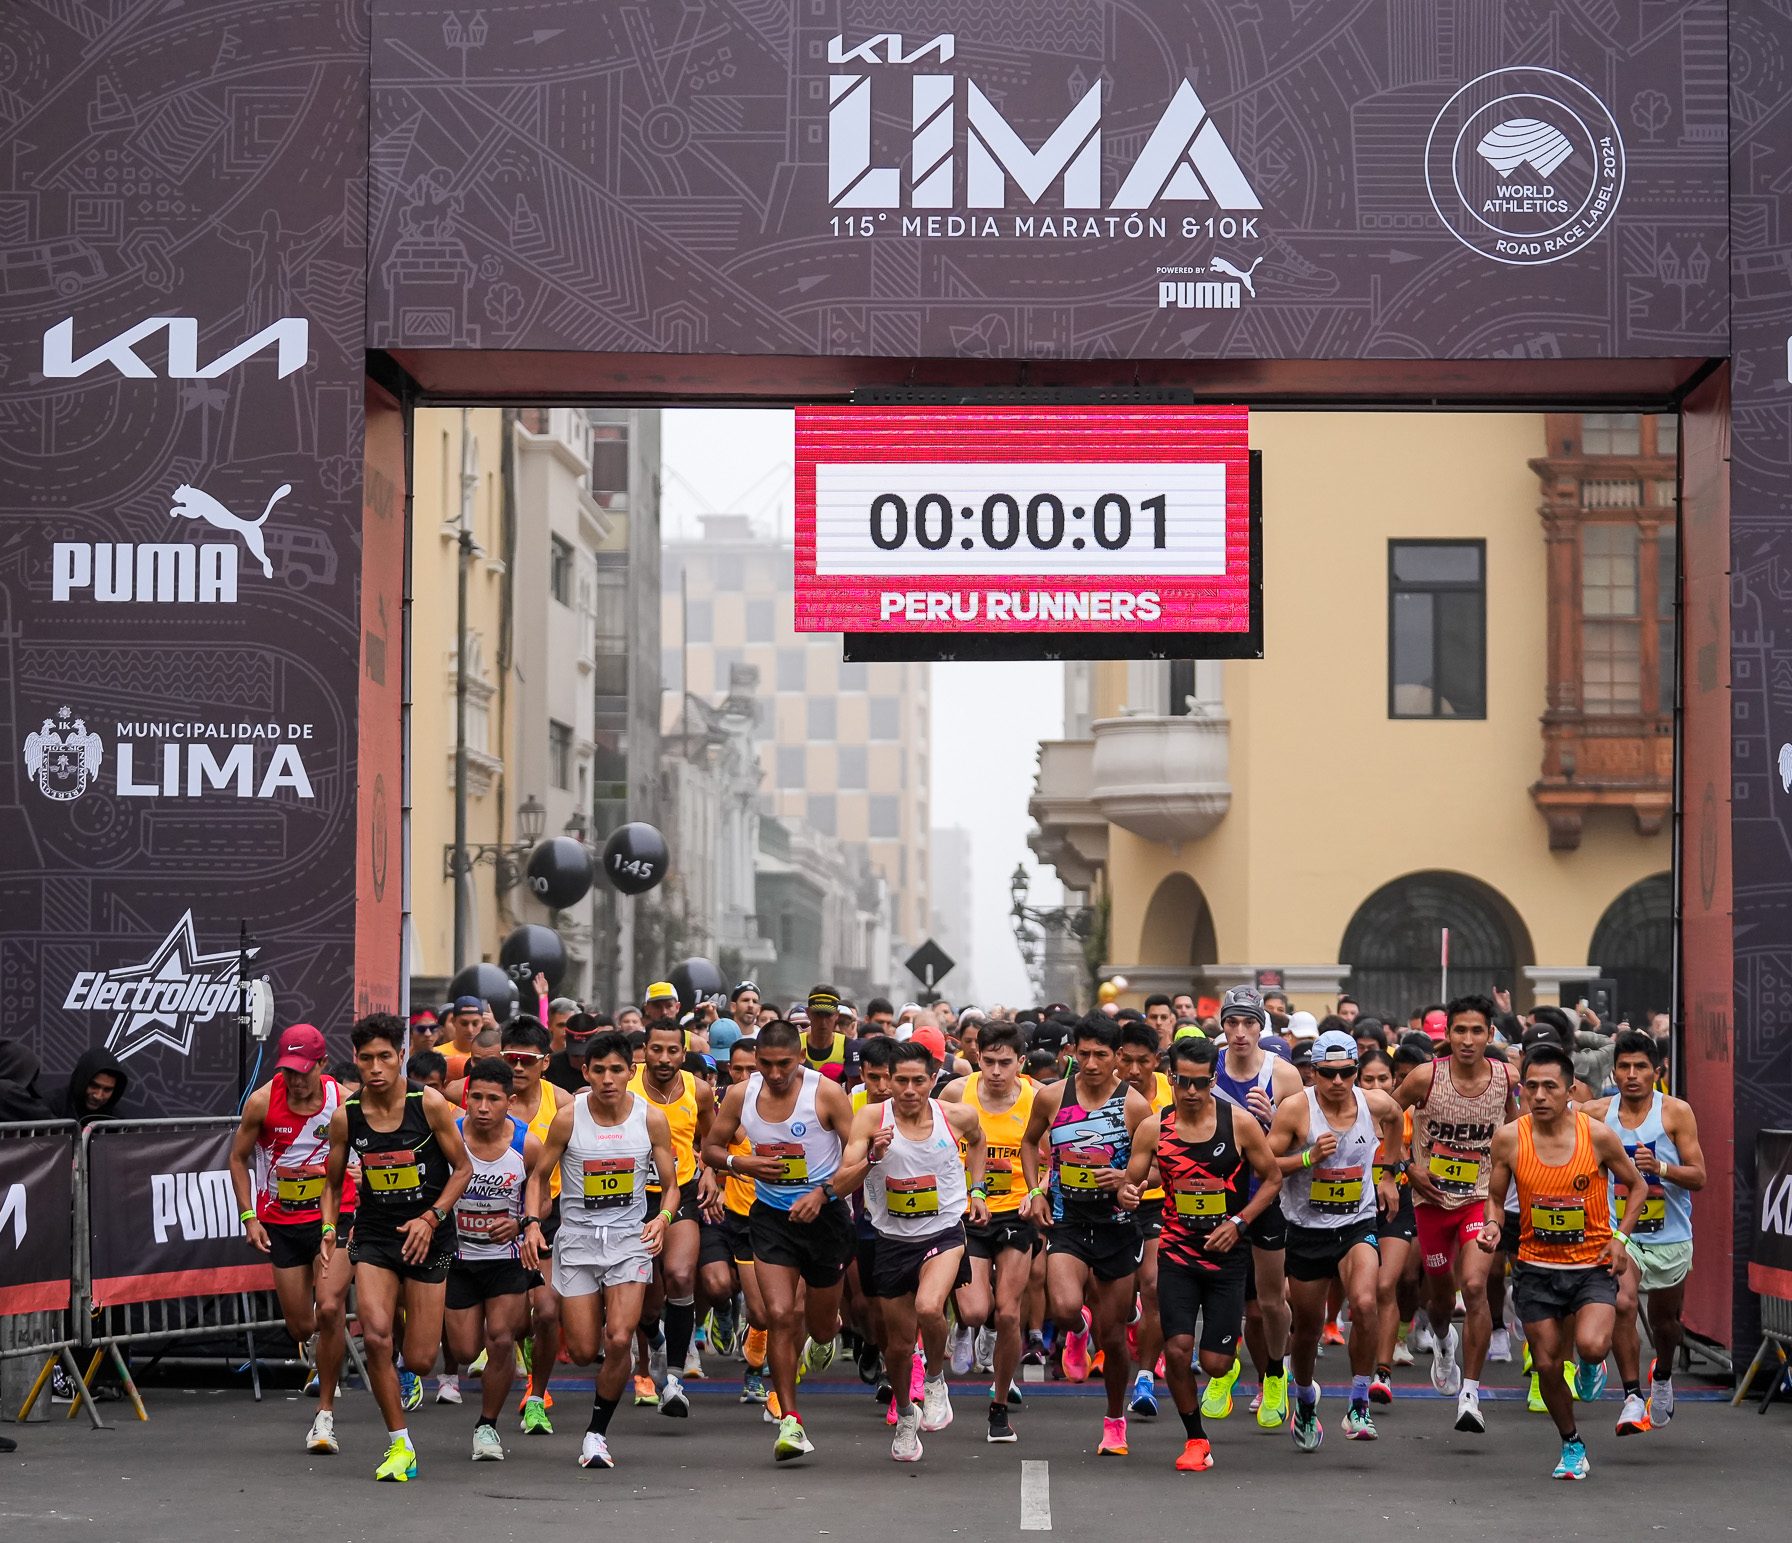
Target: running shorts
(897,1272)
(1444,1234)
(1542,1295)
(819,1251)
(740,1237)
(1404,1224)
(688,1208)
(1270,1230)
(1112,1250)
(1005,1231)
(712,1244)
(1510,1230)
(587,1260)
(472,1282)
(293,1245)
(1661,1266)
(1150,1217)
(1314,1253)
(385,1251)
(1215,1297)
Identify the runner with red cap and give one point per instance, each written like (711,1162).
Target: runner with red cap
(285,1130)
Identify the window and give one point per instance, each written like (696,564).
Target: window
(886,817)
(792,766)
(730,572)
(671,669)
(1437,629)
(852,775)
(699,621)
(1667,434)
(886,717)
(560,570)
(852,676)
(762,620)
(821,812)
(559,755)
(1666,543)
(1610,434)
(792,669)
(821,718)
(1610,637)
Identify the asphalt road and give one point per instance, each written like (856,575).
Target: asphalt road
(215,1465)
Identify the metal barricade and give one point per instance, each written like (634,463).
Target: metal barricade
(1776,1341)
(46,1336)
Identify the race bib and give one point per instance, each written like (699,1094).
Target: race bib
(912,1197)
(476,1220)
(1078,1167)
(393,1175)
(1559,1221)
(1455,1173)
(299,1189)
(1336,1189)
(792,1158)
(1655,1199)
(608,1182)
(998,1173)
(1201,1200)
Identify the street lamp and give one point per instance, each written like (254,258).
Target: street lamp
(531,819)
(1035,926)
(506,858)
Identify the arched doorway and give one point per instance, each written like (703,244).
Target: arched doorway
(1634,945)
(1393,944)
(1178,927)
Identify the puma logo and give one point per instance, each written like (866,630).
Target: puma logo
(192,503)
(1243,275)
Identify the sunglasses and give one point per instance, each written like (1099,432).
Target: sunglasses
(1198,1084)
(1334,1073)
(523,1057)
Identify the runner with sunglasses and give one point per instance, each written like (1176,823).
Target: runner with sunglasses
(1326,1143)
(534,1101)
(1205,1154)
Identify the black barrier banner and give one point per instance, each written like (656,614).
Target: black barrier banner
(1770,1255)
(164,1219)
(36,1222)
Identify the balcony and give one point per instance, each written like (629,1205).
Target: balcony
(1073,834)
(1163,778)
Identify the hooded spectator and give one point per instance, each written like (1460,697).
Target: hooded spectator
(95,1087)
(19,1098)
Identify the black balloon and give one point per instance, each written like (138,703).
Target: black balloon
(694,979)
(560,872)
(635,858)
(489,982)
(533,950)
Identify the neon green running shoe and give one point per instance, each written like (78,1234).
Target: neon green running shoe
(535,1418)
(1216,1397)
(1274,1408)
(792,1440)
(400,1465)
(1534,1400)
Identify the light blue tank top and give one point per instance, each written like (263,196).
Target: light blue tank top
(1667,1212)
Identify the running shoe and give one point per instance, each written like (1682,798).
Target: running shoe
(890,1413)
(1256,1402)
(720,1330)
(1144,1397)
(1499,1348)
(674,1403)
(917,1376)
(1573,1462)
(322,1435)
(1357,1425)
(906,1448)
(963,1351)
(1113,1438)
(1402,1356)
(656,1359)
(1331,1334)
(1661,1402)
(400,1463)
(885,1391)
(448,1390)
(1015,1398)
(1381,1391)
(1216,1397)
(984,1350)
(1534,1399)
(772,1414)
(1634,1418)
(693,1364)
(535,1418)
(753,1389)
(312,1384)
(646,1392)
(594,1452)
(1076,1353)
(999,1428)
(1446,1373)
(1468,1412)
(1419,1337)
(486,1446)
(936,1405)
(1034,1354)
(410,1390)
(1589,1381)
(1274,1408)
(793,1441)
(867,1359)
(818,1355)
(477,1365)
(1196,1456)
(1305,1426)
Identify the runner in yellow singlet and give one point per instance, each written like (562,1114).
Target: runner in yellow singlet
(1140,1053)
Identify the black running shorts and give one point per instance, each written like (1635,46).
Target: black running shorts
(819,1250)
(1112,1250)
(473,1282)
(1314,1253)
(897,1272)
(1216,1297)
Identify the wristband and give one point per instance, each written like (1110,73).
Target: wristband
(246,1216)
(328,1230)
(1306,1158)
(731,1162)
(980,1193)
(527,1222)
(665,1216)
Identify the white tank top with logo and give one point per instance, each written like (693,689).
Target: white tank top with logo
(918,1189)
(603,1177)
(494,1192)
(1337,1191)
(808,1150)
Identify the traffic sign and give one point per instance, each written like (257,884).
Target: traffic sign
(930,964)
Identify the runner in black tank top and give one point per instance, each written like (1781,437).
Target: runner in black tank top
(1206,1154)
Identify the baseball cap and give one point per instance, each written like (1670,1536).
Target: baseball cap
(799,1016)
(745,985)
(932,1038)
(1436,1024)
(1303,1025)
(1334,1046)
(824,999)
(1191,1031)
(722,1035)
(301,1048)
(1244,1002)
(469,1005)
(1276,1045)
(661,991)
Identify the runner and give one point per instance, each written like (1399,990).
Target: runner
(413,1170)
(1001,1250)
(1458,1103)
(286,1126)
(798,1122)
(534,1101)
(689,1106)
(487,1302)
(730,1207)
(876,1061)
(826,1050)
(1202,1152)
(606,1142)
(1326,1143)
(1140,1046)
(1252,1079)
(1566,1285)
(905,1152)
(1661,1136)
(1375,1074)
(1086,1123)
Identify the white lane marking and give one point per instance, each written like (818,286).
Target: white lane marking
(1035,1497)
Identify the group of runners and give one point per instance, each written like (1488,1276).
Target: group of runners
(1177,1200)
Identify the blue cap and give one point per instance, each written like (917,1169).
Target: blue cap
(1275,1045)
(1334,1045)
(722,1035)
(468,1005)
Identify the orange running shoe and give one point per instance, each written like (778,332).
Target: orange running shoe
(1196,1455)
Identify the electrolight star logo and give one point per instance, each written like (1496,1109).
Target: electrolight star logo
(164,999)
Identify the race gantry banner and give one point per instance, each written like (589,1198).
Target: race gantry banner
(36,1220)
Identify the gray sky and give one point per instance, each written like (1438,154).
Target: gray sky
(987,718)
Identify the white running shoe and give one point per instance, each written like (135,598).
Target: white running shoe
(1419,1336)
(486,1446)
(1446,1375)
(1468,1412)
(595,1452)
(906,1448)
(1499,1348)
(448,1390)
(322,1436)
(1633,1419)
(962,1353)
(983,1353)
(1402,1356)
(936,1407)
(1661,1403)
(673,1400)
(693,1363)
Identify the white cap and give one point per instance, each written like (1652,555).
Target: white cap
(1303,1025)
